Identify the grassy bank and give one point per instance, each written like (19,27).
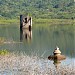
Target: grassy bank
(31,65)
(54,21)
(38,21)
(8,21)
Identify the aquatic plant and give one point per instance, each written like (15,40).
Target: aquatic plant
(4,52)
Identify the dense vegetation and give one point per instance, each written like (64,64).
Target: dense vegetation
(38,8)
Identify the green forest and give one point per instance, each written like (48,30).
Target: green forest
(50,9)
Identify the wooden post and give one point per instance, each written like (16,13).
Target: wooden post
(21,26)
(30,26)
(31,21)
(21,22)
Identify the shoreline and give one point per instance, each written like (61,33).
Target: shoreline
(39,21)
(32,65)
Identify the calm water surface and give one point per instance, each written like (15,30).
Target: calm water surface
(40,41)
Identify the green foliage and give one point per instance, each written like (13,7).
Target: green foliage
(4,52)
(37,8)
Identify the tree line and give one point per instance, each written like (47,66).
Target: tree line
(61,9)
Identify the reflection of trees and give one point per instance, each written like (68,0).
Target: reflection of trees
(46,38)
(63,36)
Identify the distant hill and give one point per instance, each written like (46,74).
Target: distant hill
(38,8)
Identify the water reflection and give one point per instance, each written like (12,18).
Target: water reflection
(44,39)
(25,34)
(56,61)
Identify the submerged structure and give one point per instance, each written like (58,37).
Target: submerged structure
(25,22)
(56,57)
(25,27)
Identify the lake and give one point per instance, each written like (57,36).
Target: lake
(40,41)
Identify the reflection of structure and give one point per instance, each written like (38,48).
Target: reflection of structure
(25,34)
(25,27)
(57,57)
(56,63)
